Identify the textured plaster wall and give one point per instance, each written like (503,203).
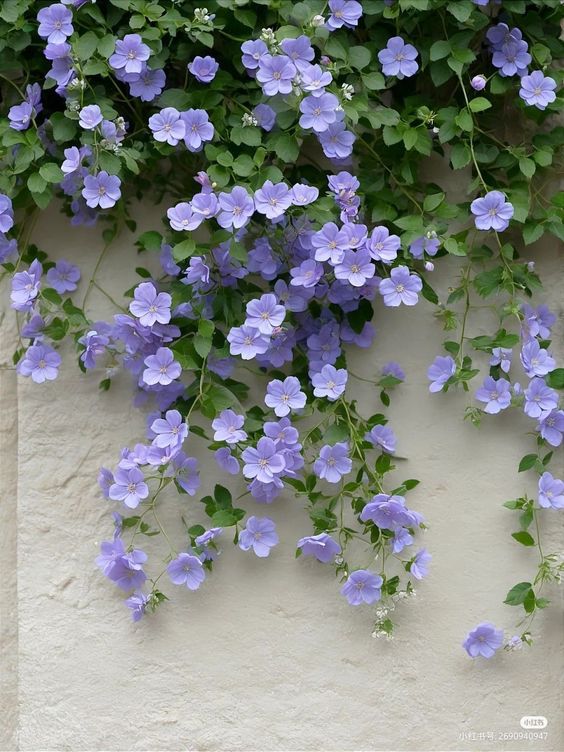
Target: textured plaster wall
(267,655)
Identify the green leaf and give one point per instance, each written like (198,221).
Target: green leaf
(524,538)
(359,57)
(532,232)
(432,201)
(527,462)
(479,104)
(460,156)
(555,379)
(439,50)
(454,247)
(36,183)
(51,172)
(461,9)
(527,167)
(374,81)
(284,146)
(464,121)
(410,138)
(63,129)
(184,250)
(517,594)
(86,45)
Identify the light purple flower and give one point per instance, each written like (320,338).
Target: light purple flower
(333,462)
(203,68)
(129,487)
(299,50)
(539,398)
(337,142)
(167,126)
(551,492)
(236,208)
(422,245)
(478,83)
(25,287)
(512,58)
(162,368)
(101,190)
(186,569)
(318,112)
(501,356)
(356,268)
(273,200)
(538,90)
(382,246)
(130,54)
(537,322)
(307,274)
(383,437)
(330,244)
(55,23)
(419,565)
(314,78)
(206,538)
(226,460)
(260,535)
(149,84)
(536,360)
(125,569)
(402,287)
(247,342)
(302,194)
(198,129)
(492,212)
(182,217)
(275,73)
(227,427)
(284,396)
(343,13)
(263,463)
(63,276)
(185,471)
(169,431)
(330,382)
(551,427)
(138,603)
(398,58)
(440,371)
(20,116)
(149,306)
(483,640)
(321,546)
(265,314)
(362,586)
(496,395)
(387,512)
(40,362)
(265,116)
(6,213)
(253,52)
(89,117)
(94,345)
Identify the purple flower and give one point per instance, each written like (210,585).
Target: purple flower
(419,565)
(149,306)
(226,460)
(322,546)
(63,276)
(275,73)
(501,356)
(314,78)
(273,200)
(206,538)
(6,213)
(129,487)
(496,395)
(302,195)
(402,287)
(138,604)
(536,361)
(169,431)
(198,128)
(551,427)
(539,398)
(284,396)
(362,586)
(89,117)
(318,112)
(299,50)
(337,141)
(125,569)
(253,52)
(551,492)
(343,13)
(20,116)
(260,535)
(247,342)
(538,90)
(398,58)
(182,217)
(440,371)
(55,23)
(228,427)
(149,84)
(162,368)
(512,58)
(265,116)
(537,323)
(387,512)
(94,345)
(333,462)
(101,190)
(186,569)
(25,287)
(382,246)
(167,126)
(265,314)
(236,208)
(356,268)
(203,68)
(492,212)
(422,245)
(478,83)
(130,54)
(263,463)
(307,274)
(384,437)
(185,472)
(484,640)
(393,369)
(40,362)
(330,244)
(72,160)
(330,382)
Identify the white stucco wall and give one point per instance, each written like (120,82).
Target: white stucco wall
(267,655)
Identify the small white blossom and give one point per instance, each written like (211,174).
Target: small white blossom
(348,91)
(202,16)
(249,119)
(317,21)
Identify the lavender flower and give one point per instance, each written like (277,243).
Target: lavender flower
(343,13)
(496,395)
(40,362)
(419,565)
(307,274)
(203,68)
(94,345)
(383,437)
(162,368)
(422,245)
(539,398)
(265,116)
(314,79)
(89,117)
(483,640)
(20,116)
(551,492)
(321,546)
(551,427)
(382,246)
(186,569)
(318,112)
(63,276)
(402,287)
(356,268)
(512,58)
(284,396)
(182,217)
(260,535)
(362,586)
(272,200)
(536,360)
(138,603)
(25,287)
(501,356)
(129,487)
(299,50)
(276,73)
(302,195)
(227,461)
(149,306)
(492,212)
(537,90)
(478,83)
(253,52)
(263,463)
(55,23)
(330,244)
(398,58)
(387,512)
(130,54)
(186,473)
(333,462)
(330,382)
(236,208)
(101,190)
(337,141)
(167,126)
(247,342)
(198,129)
(6,213)
(228,427)
(149,84)
(169,431)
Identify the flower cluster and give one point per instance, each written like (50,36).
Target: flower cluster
(286,158)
